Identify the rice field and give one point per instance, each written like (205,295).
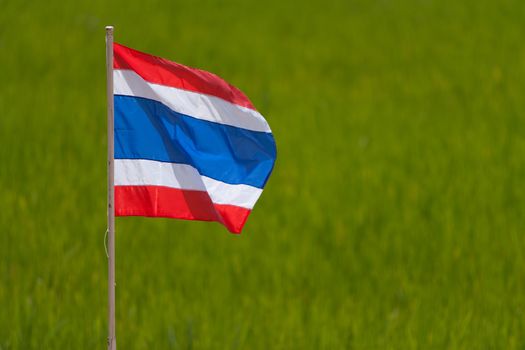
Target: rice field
(393,219)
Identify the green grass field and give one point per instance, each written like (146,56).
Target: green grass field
(394,218)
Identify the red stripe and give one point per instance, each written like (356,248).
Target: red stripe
(159,201)
(161,71)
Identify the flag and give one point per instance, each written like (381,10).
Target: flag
(188,145)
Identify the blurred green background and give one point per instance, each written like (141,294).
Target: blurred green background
(394,218)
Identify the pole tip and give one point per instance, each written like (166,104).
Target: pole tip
(109,28)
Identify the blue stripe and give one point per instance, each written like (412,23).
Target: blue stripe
(147,129)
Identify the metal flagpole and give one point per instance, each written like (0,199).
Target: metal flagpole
(112,341)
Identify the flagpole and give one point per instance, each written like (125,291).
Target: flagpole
(112,341)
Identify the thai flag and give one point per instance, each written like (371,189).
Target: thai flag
(188,145)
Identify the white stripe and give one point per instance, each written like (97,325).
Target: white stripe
(194,104)
(141,172)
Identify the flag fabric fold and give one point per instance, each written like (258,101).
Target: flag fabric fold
(188,145)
